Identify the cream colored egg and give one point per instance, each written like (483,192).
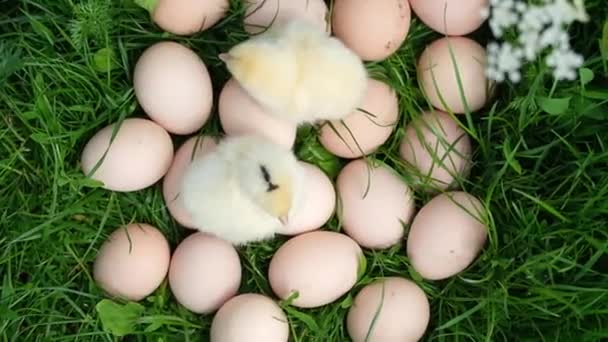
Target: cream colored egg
(447,235)
(394,309)
(375,203)
(250,317)
(321,266)
(318,203)
(195,147)
(205,272)
(186,17)
(438,80)
(438,148)
(451,17)
(373,29)
(139,156)
(132,262)
(240,114)
(261,14)
(173,87)
(369,131)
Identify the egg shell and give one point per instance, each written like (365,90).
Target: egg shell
(321,265)
(370,132)
(318,205)
(240,114)
(139,156)
(436,62)
(132,262)
(261,14)
(372,215)
(250,317)
(451,17)
(438,148)
(186,17)
(205,272)
(372,29)
(173,87)
(399,314)
(446,235)
(173,179)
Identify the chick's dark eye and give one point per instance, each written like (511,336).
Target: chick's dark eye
(266,175)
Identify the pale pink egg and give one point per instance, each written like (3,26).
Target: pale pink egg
(186,17)
(240,114)
(438,78)
(195,147)
(173,87)
(394,309)
(317,205)
(321,266)
(438,148)
(372,29)
(205,272)
(132,262)
(451,17)
(262,14)
(139,155)
(375,204)
(446,235)
(362,133)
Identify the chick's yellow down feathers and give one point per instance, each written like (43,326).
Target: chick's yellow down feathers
(243,191)
(299,73)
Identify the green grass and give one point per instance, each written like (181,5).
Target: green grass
(541,166)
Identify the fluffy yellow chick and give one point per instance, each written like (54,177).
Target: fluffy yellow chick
(299,73)
(243,191)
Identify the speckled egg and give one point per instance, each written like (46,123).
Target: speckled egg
(446,235)
(438,148)
(394,308)
(437,74)
(139,156)
(370,130)
(373,29)
(451,17)
(173,87)
(240,114)
(132,262)
(320,266)
(195,147)
(261,14)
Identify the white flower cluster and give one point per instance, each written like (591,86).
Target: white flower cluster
(539,28)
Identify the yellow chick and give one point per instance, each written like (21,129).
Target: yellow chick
(299,73)
(243,191)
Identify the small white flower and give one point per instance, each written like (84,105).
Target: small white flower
(564,63)
(504,60)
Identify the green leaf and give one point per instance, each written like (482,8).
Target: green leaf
(604,40)
(586,75)
(104,60)
(119,320)
(306,319)
(362,267)
(148,5)
(554,106)
(313,152)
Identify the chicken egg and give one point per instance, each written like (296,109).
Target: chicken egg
(139,156)
(370,130)
(186,17)
(250,317)
(318,204)
(372,29)
(205,272)
(132,262)
(438,148)
(451,17)
(173,87)
(195,147)
(374,204)
(446,235)
(261,14)
(394,309)
(240,114)
(320,266)
(437,74)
